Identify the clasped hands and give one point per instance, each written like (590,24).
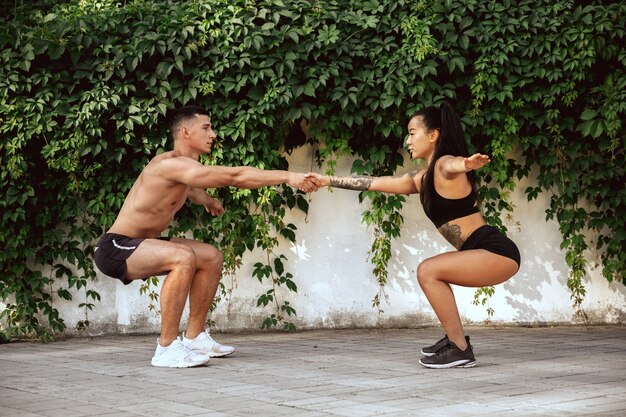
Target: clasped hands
(310,182)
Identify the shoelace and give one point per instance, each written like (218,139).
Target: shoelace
(442,340)
(209,338)
(180,347)
(447,348)
(450,346)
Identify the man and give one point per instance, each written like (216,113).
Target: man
(132,248)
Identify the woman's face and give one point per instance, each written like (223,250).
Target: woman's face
(419,141)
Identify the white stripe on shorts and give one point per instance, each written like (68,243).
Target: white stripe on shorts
(123,247)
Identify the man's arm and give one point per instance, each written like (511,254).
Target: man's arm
(197,175)
(200,197)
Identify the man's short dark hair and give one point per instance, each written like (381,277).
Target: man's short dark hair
(184,113)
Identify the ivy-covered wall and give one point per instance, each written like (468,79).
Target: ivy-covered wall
(85,87)
(336,283)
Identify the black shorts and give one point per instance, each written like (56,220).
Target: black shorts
(111,253)
(491,239)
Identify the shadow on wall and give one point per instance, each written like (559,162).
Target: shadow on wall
(609,307)
(408,252)
(618,288)
(540,281)
(539,290)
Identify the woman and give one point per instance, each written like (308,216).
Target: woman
(447,190)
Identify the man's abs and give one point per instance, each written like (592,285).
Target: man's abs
(148,211)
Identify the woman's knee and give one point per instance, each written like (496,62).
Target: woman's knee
(426,272)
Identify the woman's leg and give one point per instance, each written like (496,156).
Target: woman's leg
(471,268)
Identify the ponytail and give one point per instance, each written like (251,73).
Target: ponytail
(451,142)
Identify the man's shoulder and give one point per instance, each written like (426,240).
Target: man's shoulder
(170,167)
(170,159)
(163,156)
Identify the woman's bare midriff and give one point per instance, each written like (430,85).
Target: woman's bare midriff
(458,230)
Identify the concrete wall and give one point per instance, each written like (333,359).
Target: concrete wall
(336,285)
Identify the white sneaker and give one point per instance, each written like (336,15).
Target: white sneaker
(204,344)
(177,355)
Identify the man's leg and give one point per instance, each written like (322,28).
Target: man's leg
(156,257)
(208,271)
(203,288)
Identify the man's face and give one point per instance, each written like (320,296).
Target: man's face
(201,132)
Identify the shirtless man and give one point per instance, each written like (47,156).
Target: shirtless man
(132,248)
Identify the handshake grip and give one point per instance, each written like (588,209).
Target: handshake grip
(310,182)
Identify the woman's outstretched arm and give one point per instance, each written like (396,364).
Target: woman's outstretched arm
(404,184)
(451,166)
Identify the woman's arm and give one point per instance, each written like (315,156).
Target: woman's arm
(451,166)
(404,184)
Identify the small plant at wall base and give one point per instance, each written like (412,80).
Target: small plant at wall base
(481,297)
(85,88)
(146,288)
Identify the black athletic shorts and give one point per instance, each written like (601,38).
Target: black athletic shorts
(111,253)
(491,239)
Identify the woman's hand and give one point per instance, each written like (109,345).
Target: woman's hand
(476,161)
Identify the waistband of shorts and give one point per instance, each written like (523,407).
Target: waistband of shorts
(107,237)
(483,230)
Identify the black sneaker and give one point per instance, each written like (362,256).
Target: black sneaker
(431,350)
(451,356)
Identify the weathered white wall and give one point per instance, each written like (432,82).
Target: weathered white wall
(336,285)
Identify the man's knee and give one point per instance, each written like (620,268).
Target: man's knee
(184,257)
(218,257)
(212,257)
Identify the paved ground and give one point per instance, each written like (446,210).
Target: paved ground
(562,371)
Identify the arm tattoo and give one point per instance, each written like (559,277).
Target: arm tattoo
(359,183)
(452,233)
(411,174)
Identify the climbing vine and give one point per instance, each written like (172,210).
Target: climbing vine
(85,87)
(383,215)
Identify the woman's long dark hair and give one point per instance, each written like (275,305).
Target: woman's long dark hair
(451,142)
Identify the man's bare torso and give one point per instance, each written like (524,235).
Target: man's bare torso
(151,203)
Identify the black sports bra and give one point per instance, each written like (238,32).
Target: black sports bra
(441,210)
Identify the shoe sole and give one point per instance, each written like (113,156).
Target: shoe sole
(220,355)
(457,364)
(178,366)
(427,354)
(186,365)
